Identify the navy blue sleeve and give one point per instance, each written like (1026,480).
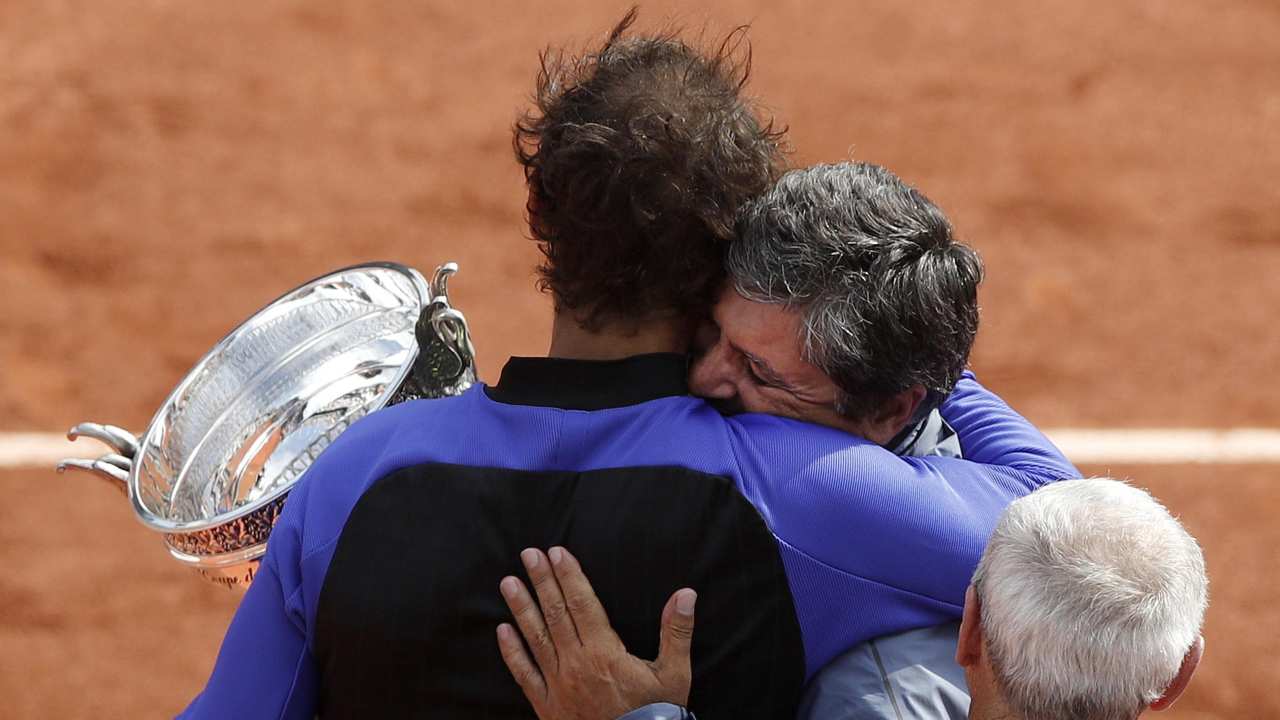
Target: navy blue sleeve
(264,669)
(992,433)
(874,543)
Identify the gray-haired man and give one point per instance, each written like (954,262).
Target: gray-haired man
(851,304)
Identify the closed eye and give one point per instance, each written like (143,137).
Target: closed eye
(757,376)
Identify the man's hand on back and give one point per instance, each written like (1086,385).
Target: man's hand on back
(579,668)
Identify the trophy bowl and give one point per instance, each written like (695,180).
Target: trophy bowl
(213,469)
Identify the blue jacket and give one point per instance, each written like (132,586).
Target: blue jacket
(872,543)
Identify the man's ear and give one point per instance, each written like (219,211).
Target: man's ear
(969,645)
(897,411)
(1180,681)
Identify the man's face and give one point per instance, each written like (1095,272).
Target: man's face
(754,364)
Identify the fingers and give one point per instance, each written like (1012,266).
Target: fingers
(580,598)
(550,598)
(529,620)
(526,674)
(673,665)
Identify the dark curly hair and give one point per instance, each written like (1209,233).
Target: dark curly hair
(638,156)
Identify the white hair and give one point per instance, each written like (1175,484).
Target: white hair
(1091,593)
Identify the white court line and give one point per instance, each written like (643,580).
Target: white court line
(1083,446)
(18,450)
(1148,446)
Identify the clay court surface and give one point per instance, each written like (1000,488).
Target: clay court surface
(166,168)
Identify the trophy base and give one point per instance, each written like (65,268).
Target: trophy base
(235,577)
(233,570)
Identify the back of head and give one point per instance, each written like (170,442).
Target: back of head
(638,156)
(889,297)
(1091,593)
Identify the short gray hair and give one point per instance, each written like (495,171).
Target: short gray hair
(1091,595)
(889,297)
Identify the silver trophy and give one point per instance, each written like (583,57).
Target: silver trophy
(213,469)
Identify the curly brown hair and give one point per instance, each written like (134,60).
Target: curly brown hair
(637,157)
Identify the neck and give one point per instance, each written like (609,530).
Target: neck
(989,706)
(614,342)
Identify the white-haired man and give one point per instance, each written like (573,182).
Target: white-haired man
(1087,605)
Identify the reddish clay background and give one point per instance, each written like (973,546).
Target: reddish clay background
(167,168)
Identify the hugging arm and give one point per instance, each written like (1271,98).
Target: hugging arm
(874,543)
(992,433)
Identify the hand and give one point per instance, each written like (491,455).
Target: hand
(580,669)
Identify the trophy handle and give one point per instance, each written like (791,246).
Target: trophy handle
(118,478)
(446,362)
(451,327)
(440,281)
(113,466)
(122,441)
